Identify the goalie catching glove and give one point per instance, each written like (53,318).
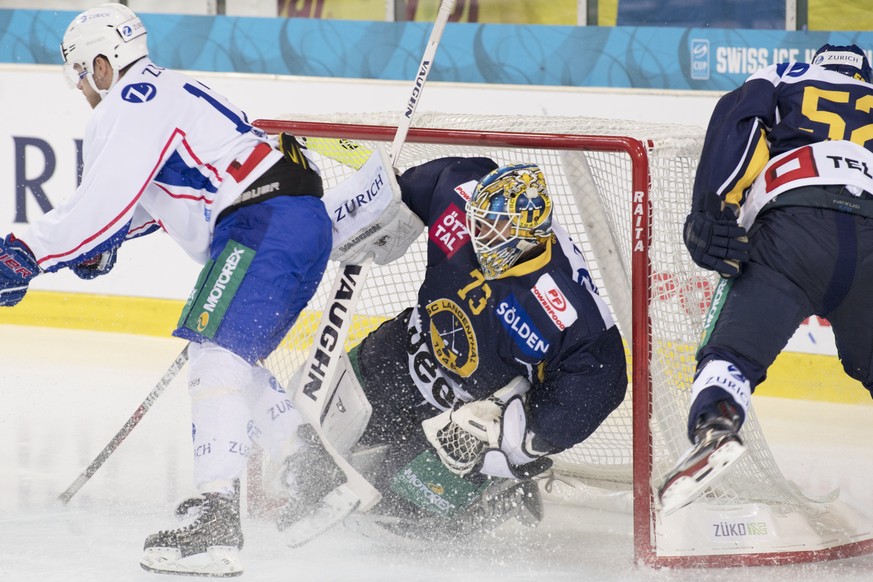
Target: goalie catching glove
(369,217)
(490,436)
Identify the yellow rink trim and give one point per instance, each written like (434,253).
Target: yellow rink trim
(794,375)
(138,315)
(812,377)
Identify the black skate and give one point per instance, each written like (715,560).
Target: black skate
(316,500)
(717,446)
(209,546)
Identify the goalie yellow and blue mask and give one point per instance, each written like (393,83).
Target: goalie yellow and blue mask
(509,213)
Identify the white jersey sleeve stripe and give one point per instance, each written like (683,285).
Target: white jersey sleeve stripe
(180,196)
(128,209)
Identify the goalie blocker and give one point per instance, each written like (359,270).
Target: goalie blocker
(368,215)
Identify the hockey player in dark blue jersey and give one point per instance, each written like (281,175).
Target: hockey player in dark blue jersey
(783,210)
(509,354)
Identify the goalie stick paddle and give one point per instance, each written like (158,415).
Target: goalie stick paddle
(134,419)
(312,393)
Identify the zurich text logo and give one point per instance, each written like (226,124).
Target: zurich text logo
(699,58)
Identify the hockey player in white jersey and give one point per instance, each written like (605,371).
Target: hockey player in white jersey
(783,210)
(163,152)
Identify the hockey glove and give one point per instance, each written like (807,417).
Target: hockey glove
(489,436)
(17,267)
(96,266)
(716,243)
(378,223)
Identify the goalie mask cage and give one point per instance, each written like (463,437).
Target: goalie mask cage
(622,190)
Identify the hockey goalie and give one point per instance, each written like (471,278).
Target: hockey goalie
(452,408)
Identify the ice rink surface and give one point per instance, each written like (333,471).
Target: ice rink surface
(64,394)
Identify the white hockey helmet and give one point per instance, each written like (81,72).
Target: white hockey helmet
(508,214)
(111,30)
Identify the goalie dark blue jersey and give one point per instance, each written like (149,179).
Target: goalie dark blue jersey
(542,319)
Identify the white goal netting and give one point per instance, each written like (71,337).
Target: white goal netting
(622,190)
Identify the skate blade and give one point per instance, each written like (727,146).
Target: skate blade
(689,487)
(335,507)
(216,562)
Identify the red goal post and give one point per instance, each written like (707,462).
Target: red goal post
(622,190)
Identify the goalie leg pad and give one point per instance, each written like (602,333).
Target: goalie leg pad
(348,411)
(335,507)
(497,501)
(429,485)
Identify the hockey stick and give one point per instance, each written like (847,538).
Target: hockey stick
(436,33)
(312,393)
(134,419)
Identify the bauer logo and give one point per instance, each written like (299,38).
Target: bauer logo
(699,59)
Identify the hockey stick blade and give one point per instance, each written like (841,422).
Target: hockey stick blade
(335,507)
(125,430)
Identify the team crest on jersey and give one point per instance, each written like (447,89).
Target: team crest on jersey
(452,337)
(554,302)
(139,92)
(449,231)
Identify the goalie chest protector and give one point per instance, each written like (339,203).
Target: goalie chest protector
(469,336)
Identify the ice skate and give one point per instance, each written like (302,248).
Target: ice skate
(717,447)
(209,546)
(315,500)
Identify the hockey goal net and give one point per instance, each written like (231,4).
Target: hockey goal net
(622,190)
